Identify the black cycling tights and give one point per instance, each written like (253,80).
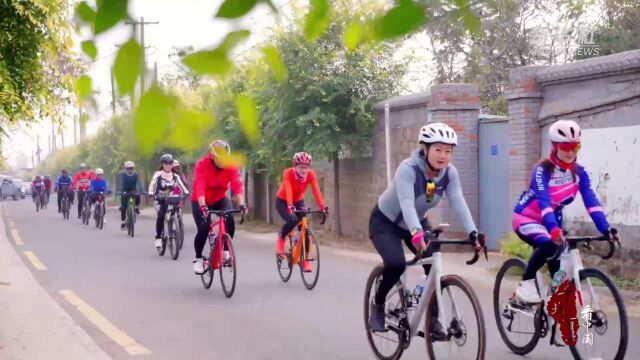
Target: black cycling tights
(543,250)
(386,237)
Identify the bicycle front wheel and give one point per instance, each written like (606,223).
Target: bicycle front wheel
(519,325)
(466,332)
(312,257)
(228,271)
(606,335)
(174,246)
(207,276)
(284,262)
(388,345)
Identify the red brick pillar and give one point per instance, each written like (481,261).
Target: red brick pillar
(525,100)
(458,105)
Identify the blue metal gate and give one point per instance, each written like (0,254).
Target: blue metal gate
(495,210)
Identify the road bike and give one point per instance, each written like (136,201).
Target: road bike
(447,299)
(522,325)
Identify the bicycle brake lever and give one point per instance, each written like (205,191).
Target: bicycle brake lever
(612,250)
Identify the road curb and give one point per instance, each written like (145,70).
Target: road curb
(34,326)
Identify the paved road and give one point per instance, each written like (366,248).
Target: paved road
(160,306)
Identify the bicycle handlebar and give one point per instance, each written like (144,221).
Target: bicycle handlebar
(309,211)
(478,245)
(224,213)
(611,241)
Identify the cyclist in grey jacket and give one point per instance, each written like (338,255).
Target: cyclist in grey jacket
(400,214)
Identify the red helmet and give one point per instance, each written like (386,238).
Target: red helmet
(302,158)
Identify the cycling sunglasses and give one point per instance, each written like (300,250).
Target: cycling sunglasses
(570,146)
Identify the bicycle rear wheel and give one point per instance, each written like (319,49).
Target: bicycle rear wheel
(207,276)
(228,271)
(520,326)
(310,279)
(37,203)
(284,262)
(388,345)
(609,330)
(464,313)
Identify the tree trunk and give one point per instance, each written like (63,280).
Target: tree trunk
(336,193)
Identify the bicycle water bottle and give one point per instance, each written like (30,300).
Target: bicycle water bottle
(417,292)
(296,236)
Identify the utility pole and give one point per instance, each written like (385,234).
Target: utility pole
(142,23)
(75,130)
(113,95)
(53,137)
(155,72)
(38,149)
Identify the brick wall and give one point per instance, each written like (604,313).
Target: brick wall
(525,100)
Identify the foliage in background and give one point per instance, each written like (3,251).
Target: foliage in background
(513,246)
(617,28)
(37,68)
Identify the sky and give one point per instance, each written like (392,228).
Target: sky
(180,23)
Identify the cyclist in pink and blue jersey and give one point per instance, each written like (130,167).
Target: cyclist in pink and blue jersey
(537,217)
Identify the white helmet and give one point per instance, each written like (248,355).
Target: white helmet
(176,162)
(437,133)
(99,171)
(563,131)
(129,165)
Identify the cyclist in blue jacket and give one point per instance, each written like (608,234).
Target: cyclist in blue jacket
(64,184)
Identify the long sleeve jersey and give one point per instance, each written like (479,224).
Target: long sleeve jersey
(292,190)
(549,193)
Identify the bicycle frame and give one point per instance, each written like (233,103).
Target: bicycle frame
(216,248)
(431,283)
(572,265)
(303,224)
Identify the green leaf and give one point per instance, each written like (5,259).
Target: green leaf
(208,62)
(273,58)
(317,19)
(84,87)
(85,12)
(248,116)
(471,21)
(233,9)
(109,13)
(353,35)
(89,48)
(128,66)
(153,118)
(190,129)
(233,39)
(400,20)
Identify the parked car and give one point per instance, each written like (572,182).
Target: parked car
(26,188)
(9,190)
(21,187)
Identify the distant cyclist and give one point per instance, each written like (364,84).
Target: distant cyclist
(64,184)
(129,182)
(164,183)
(97,185)
(295,181)
(81,182)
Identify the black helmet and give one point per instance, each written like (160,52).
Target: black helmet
(166,159)
(64,171)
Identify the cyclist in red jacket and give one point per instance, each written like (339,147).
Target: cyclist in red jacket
(211,183)
(81,182)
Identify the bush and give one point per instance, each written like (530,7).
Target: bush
(513,246)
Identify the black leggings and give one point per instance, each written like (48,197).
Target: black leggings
(61,194)
(81,195)
(542,253)
(283,210)
(203,223)
(162,210)
(124,199)
(386,237)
